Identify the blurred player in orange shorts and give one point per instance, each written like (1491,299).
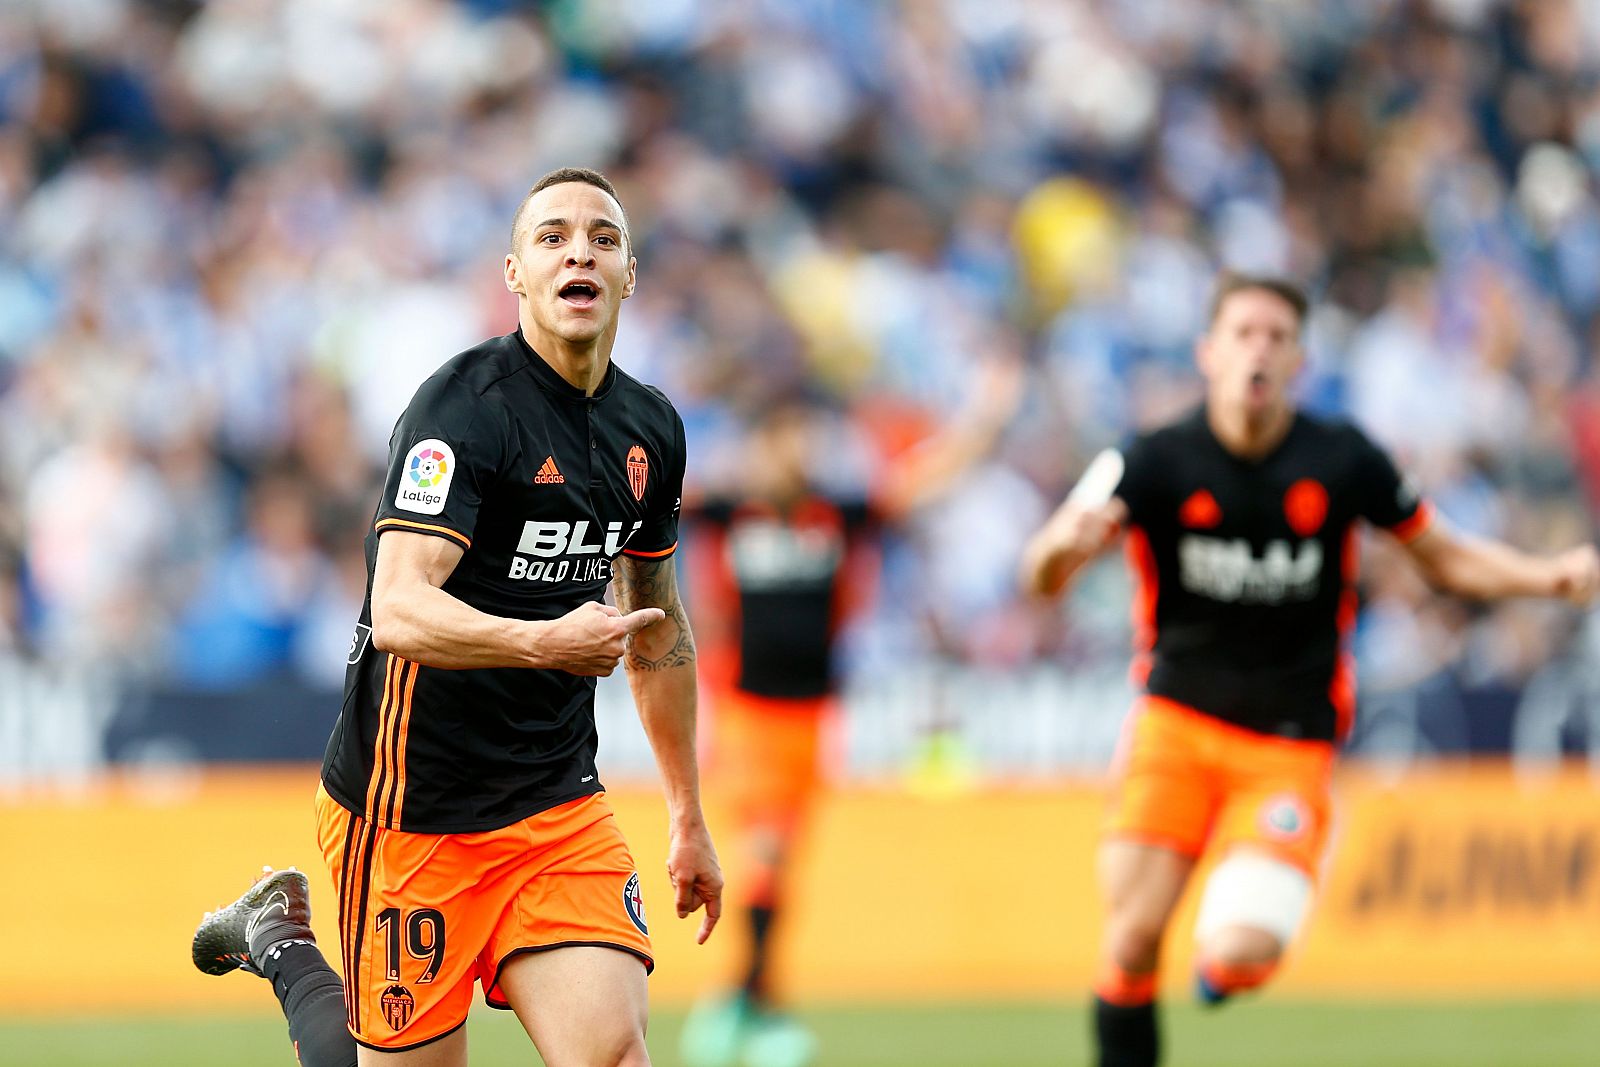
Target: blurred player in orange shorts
(782,565)
(1241,521)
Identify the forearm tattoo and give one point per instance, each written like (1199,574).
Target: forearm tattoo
(653,583)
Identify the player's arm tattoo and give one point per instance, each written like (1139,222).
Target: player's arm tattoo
(653,583)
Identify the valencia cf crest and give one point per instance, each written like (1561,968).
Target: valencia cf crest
(397,1004)
(633,901)
(1284,818)
(1305,505)
(638,471)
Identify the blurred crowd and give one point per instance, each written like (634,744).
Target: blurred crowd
(236,235)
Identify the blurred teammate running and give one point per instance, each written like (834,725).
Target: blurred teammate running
(461,814)
(787,561)
(1241,524)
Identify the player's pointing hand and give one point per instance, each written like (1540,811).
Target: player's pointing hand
(590,639)
(696,877)
(635,621)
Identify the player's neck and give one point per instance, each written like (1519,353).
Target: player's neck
(582,365)
(1249,437)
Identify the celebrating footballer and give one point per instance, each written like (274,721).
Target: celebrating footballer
(1240,524)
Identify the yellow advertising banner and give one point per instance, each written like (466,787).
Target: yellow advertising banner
(1461,880)
(1448,881)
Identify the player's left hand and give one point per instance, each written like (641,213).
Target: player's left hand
(696,876)
(1578,575)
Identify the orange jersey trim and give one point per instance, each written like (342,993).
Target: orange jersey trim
(386,789)
(669,550)
(397,799)
(1147,590)
(1342,688)
(1414,527)
(383,524)
(379,764)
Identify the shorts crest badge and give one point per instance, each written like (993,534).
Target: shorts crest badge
(633,902)
(397,1004)
(1285,818)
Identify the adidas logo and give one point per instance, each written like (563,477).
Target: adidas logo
(548,474)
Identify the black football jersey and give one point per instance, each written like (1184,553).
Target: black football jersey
(1246,569)
(785,568)
(542,487)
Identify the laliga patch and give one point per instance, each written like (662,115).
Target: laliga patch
(1285,818)
(425,477)
(633,901)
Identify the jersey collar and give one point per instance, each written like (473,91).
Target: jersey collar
(1204,422)
(551,379)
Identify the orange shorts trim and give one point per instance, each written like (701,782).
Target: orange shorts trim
(767,755)
(1188,781)
(422,917)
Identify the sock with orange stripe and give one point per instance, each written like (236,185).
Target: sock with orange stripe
(312,997)
(1215,982)
(1126,1033)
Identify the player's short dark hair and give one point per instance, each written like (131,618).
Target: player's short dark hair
(561,176)
(1239,282)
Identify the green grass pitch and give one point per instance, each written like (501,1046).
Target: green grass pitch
(1279,1034)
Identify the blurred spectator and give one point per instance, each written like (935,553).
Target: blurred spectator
(241,621)
(235,236)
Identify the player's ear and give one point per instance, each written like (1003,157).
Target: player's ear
(514,275)
(627,286)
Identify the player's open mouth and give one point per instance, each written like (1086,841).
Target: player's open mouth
(579,294)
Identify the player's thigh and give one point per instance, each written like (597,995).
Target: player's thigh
(415,911)
(1279,801)
(583,1005)
(1142,883)
(1166,794)
(448,1051)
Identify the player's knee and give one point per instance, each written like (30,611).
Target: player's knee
(1242,946)
(1134,945)
(632,1054)
(767,845)
(1252,907)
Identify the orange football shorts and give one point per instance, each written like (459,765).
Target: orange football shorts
(1186,780)
(423,916)
(767,754)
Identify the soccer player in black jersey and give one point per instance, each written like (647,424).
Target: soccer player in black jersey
(1241,521)
(783,563)
(461,813)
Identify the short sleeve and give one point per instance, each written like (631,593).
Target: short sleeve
(1385,498)
(1139,487)
(658,537)
(443,454)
